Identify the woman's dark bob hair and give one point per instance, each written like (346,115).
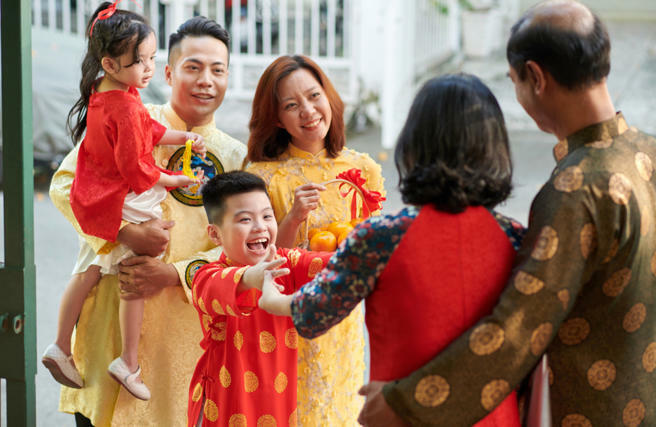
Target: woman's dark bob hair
(453,150)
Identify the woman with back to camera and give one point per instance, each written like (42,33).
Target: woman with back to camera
(296,143)
(433,269)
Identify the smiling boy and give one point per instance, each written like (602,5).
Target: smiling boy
(247,373)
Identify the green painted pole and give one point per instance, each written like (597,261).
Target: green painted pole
(17,275)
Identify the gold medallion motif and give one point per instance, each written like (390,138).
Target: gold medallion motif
(315,266)
(201,305)
(601,144)
(267,342)
(198,392)
(229,310)
(588,240)
(211,412)
(238,340)
(216,306)
(293,418)
(540,338)
(644,165)
(251,383)
(294,255)
(237,420)
(649,358)
(560,150)
(238,274)
(486,339)
(569,180)
(266,421)
(575,420)
(601,374)
(546,244)
(493,393)
(617,282)
(224,377)
(527,284)
(226,271)
(280,383)
(635,317)
(291,338)
(218,332)
(612,251)
(574,331)
(563,297)
(207,321)
(634,413)
(619,188)
(432,391)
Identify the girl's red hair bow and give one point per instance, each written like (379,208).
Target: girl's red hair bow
(106,13)
(371,199)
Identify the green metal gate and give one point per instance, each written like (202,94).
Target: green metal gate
(17,274)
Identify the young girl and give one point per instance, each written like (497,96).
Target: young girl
(432,270)
(116,178)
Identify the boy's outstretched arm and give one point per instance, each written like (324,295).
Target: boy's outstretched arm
(254,275)
(272,300)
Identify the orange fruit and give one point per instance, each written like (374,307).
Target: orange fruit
(343,236)
(313,231)
(338,228)
(323,241)
(356,221)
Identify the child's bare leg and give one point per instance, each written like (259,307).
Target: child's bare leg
(71,305)
(130,318)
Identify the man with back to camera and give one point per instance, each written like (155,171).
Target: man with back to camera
(197,72)
(583,285)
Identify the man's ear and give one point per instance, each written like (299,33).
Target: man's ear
(109,65)
(537,77)
(167,74)
(214,234)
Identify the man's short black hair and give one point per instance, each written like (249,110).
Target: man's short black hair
(573,59)
(198,26)
(217,190)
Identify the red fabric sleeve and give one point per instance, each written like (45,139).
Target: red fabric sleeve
(304,264)
(216,282)
(158,130)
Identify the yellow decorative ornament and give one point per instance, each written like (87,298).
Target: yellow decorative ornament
(186,160)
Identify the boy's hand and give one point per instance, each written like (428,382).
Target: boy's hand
(254,275)
(199,144)
(272,300)
(306,199)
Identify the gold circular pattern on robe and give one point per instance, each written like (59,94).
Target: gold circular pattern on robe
(294,255)
(251,383)
(561,149)
(575,420)
(649,358)
(588,240)
(198,392)
(266,421)
(634,319)
(211,411)
(238,420)
(291,338)
(267,342)
(216,306)
(207,321)
(237,277)
(224,377)
(486,339)
(574,331)
(201,305)
(527,284)
(280,383)
(226,271)
(230,311)
(612,251)
(432,391)
(293,418)
(493,393)
(540,338)
(601,144)
(546,244)
(634,413)
(315,266)
(644,165)
(601,374)
(571,179)
(563,297)
(619,188)
(238,340)
(617,282)
(218,332)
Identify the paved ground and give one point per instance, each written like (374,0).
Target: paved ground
(632,84)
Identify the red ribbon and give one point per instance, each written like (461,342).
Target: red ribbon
(106,13)
(372,199)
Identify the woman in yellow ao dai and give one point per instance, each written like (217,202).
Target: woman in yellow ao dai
(297,143)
